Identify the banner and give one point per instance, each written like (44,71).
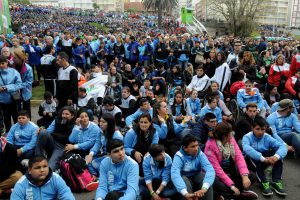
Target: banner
(96,87)
(5,22)
(186,15)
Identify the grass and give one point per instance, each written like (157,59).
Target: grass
(38,94)
(297,37)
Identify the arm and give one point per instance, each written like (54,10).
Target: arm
(272,123)
(74,85)
(19,192)
(250,151)
(176,175)
(16,85)
(41,110)
(51,128)
(240,99)
(103,187)
(89,142)
(11,135)
(289,86)
(147,170)
(32,142)
(239,159)
(209,171)
(162,130)
(131,118)
(132,183)
(296,123)
(95,149)
(281,151)
(64,192)
(129,142)
(27,83)
(155,138)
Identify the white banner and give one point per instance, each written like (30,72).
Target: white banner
(96,87)
(4,21)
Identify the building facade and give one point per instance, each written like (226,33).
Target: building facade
(45,3)
(110,5)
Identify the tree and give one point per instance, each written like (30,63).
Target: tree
(240,15)
(27,2)
(159,6)
(95,6)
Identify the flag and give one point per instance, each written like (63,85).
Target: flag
(96,87)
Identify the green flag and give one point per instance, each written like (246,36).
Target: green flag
(5,23)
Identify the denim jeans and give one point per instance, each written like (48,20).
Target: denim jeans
(94,166)
(46,146)
(169,190)
(292,139)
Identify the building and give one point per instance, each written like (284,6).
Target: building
(295,14)
(82,4)
(45,3)
(110,5)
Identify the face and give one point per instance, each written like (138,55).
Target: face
(144,124)
(84,118)
(280,61)
(192,149)
(108,107)
(81,94)
(3,65)
(150,94)
(248,87)
(103,124)
(160,157)
(200,72)
(49,100)
(125,94)
(212,123)
(59,61)
(118,154)
(258,131)
(66,115)
(194,94)
(219,57)
(274,91)
(163,108)
(178,98)
(298,74)
(6,52)
(214,87)
(174,69)
(213,104)
(15,43)
(147,83)
(251,112)
(113,70)
(18,61)
(39,171)
(23,119)
(237,46)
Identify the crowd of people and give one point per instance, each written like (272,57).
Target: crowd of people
(164,127)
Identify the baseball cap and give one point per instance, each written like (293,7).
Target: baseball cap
(284,104)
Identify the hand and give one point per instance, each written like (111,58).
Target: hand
(236,191)
(155,197)
(19,152)
(186,119)
(242,72)
(291,149)
(113,85)
(69,147)
(246,182)
(189,196)
(70,102)
(77,122)
(44,113)
(138,156)
(2,89)
(200,193)
(88,158)
(273,160)
(50,114)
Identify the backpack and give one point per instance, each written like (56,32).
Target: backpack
(76,179)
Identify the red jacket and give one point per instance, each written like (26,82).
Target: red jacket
(290,83)
(275,73)
(295,64)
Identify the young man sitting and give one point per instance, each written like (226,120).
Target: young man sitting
(41,183)
(186,172)
(119,174)
(264,150)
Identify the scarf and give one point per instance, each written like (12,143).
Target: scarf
(226,150)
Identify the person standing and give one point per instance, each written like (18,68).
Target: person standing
(67,82)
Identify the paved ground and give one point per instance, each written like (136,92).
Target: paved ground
(291,177)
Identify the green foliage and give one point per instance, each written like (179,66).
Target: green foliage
(255,34)
(131,10)
(99,27)
(95,6)
(27,2)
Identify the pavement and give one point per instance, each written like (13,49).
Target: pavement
(291,177)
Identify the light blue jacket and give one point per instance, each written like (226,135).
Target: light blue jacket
(23,136)
(152,171)
(186,165)
(136,115)
(217,111)
(11,79)
(281,125)
(84,138)
(254,146)
(243,98)
(130,140)
(54,188)
(101,142)
(27,79)
(123,177)
(193,107)
(162,129)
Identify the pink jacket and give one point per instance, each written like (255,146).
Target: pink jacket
(214,156)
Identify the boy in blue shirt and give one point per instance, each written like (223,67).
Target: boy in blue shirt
(119,174)
(186,171)
(264,150)
(23,136)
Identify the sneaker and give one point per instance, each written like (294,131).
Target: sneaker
(266,189)
(248,194)
(278,187)
(92,186)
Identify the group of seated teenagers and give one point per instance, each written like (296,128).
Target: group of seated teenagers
(175,151)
